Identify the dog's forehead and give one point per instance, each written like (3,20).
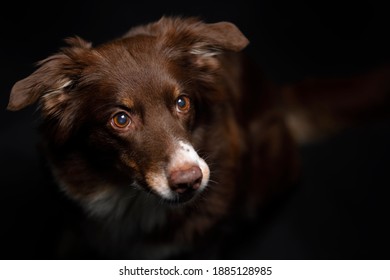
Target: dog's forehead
(133,54)
(135,65)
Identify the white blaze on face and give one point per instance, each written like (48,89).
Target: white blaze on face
(182,158)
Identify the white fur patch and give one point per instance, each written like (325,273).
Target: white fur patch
(203,50)
(159,182)
(59,89)
(184,155)
(138,209)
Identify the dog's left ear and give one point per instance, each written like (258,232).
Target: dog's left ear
(216,37)
(193,35)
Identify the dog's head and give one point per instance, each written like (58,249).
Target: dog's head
(128,113)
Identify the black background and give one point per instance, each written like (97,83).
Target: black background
(340,209)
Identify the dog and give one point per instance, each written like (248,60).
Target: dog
(163,137)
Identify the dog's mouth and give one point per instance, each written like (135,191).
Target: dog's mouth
(179,199)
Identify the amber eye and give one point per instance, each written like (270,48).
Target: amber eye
(120,120)
(183,104)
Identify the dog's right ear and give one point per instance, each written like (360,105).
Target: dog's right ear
(54,74)
(47,78)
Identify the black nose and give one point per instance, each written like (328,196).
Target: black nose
(184,181)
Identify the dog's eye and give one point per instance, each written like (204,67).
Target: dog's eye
(120,120)
(183,104)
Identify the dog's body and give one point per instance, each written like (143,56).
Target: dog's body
(317,108)
(158,135)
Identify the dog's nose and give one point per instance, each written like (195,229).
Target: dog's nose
(185,180)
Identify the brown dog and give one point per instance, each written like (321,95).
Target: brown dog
(160,135)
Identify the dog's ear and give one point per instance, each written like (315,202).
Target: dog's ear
(193,35)
(54,74)
(203,41)
(216,37)
(47,78)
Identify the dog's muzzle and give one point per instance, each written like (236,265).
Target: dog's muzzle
(185,176)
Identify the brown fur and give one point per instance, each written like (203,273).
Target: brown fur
(233,125)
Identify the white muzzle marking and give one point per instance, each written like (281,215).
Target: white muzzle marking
(183,156)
